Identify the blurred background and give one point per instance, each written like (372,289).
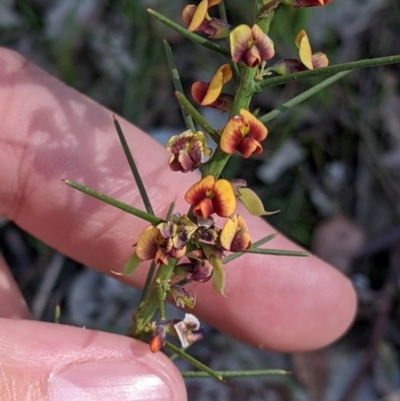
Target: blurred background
(331,165)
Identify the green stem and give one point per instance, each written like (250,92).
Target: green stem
(226,374)
(148,282)
(178,85)
(193,361)
(189,35)
(246,88)
(354,65)
(302,97)
(258,243)
(113,202)
(243,95)
(146,310)
(278,252)
(152,269)
(134,169)
(185,104)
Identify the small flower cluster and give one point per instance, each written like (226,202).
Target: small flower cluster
(194,242)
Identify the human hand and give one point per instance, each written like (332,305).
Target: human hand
(49,132)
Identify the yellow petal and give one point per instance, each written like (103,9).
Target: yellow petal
(198,16)
(224,200)
(146,247)
(235,235)
(304,47)
(240,42)
(223,75)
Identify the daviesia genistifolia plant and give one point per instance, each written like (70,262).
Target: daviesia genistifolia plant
(196,244)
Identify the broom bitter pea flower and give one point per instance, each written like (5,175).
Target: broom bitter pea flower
(250,45)
(209,94)
(312,61)
(197,19)
(244,134)
(209,196)
(308,59)
(235,236)
(188,151)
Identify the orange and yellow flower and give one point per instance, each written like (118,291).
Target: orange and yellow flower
(209,196)
(197,19)
(312,61)
(244,134)
(250,45)
(235,236)
(209,94)
(308,59)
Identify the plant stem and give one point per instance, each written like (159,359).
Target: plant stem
(146,310)
(246,88)
(189,35)
(178,85)
(185,104)
(258,243)
(134,169)
(302,97)
(226,374)
(193,361)
(113,202)
(354,65)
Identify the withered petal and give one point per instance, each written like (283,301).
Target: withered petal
(319,60)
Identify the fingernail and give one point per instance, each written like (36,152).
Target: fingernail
(109,380)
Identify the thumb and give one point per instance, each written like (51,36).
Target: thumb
(44,361)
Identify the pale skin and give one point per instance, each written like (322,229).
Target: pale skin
(50,132)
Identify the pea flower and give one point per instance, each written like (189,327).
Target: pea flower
(250,45)
(308,60)
(197,19)
(209,94)
(244,134)
(188,150)
(209,196)
(235,236)
(312,61)
(306,3)
(167,239)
